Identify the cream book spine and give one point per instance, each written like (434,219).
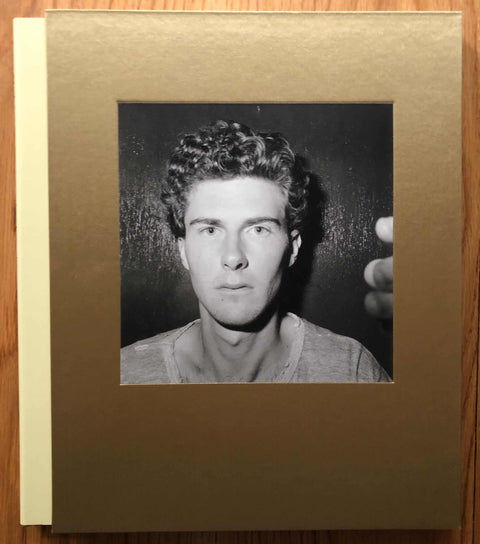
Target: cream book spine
(33,282)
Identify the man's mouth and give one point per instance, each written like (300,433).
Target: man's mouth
(234,287)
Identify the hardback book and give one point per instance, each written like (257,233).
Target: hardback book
(198,196)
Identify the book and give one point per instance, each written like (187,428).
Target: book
(376,100)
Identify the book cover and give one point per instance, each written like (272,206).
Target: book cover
(222,456)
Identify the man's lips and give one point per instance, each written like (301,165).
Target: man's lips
(233,287)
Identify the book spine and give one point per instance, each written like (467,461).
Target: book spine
(33,282)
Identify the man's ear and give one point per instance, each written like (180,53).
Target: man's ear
(295,243)
(181,250)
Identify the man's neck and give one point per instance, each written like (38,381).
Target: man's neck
(225,355)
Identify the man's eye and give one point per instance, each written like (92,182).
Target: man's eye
(259,230)
(209,231)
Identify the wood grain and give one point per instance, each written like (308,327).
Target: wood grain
(10,530)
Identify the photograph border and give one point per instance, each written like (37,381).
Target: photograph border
(233,456)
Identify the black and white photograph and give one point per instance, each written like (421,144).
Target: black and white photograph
(256,242)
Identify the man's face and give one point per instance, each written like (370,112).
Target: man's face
(236,247)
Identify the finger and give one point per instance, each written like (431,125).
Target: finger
(379,274)
(384,229)
(379,304)
(368,273)
(383,274)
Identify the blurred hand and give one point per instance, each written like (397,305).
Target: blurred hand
(379,275)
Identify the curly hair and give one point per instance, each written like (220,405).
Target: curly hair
(224,150)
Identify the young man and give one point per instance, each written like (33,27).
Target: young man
(237,201)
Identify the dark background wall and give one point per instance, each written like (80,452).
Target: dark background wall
(350,149)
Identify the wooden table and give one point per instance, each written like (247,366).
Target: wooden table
(10,530)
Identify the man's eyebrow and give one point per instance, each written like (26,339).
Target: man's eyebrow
(205,221)
(263,219)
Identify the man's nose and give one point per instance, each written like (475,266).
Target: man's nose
(234,257)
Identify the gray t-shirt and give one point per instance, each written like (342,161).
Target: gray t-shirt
(317,355)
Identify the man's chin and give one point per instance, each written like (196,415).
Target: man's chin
(249,321)
(244,325)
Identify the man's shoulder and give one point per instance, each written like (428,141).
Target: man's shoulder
(150,360)
(154,342)
(331,357)
(321,338)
